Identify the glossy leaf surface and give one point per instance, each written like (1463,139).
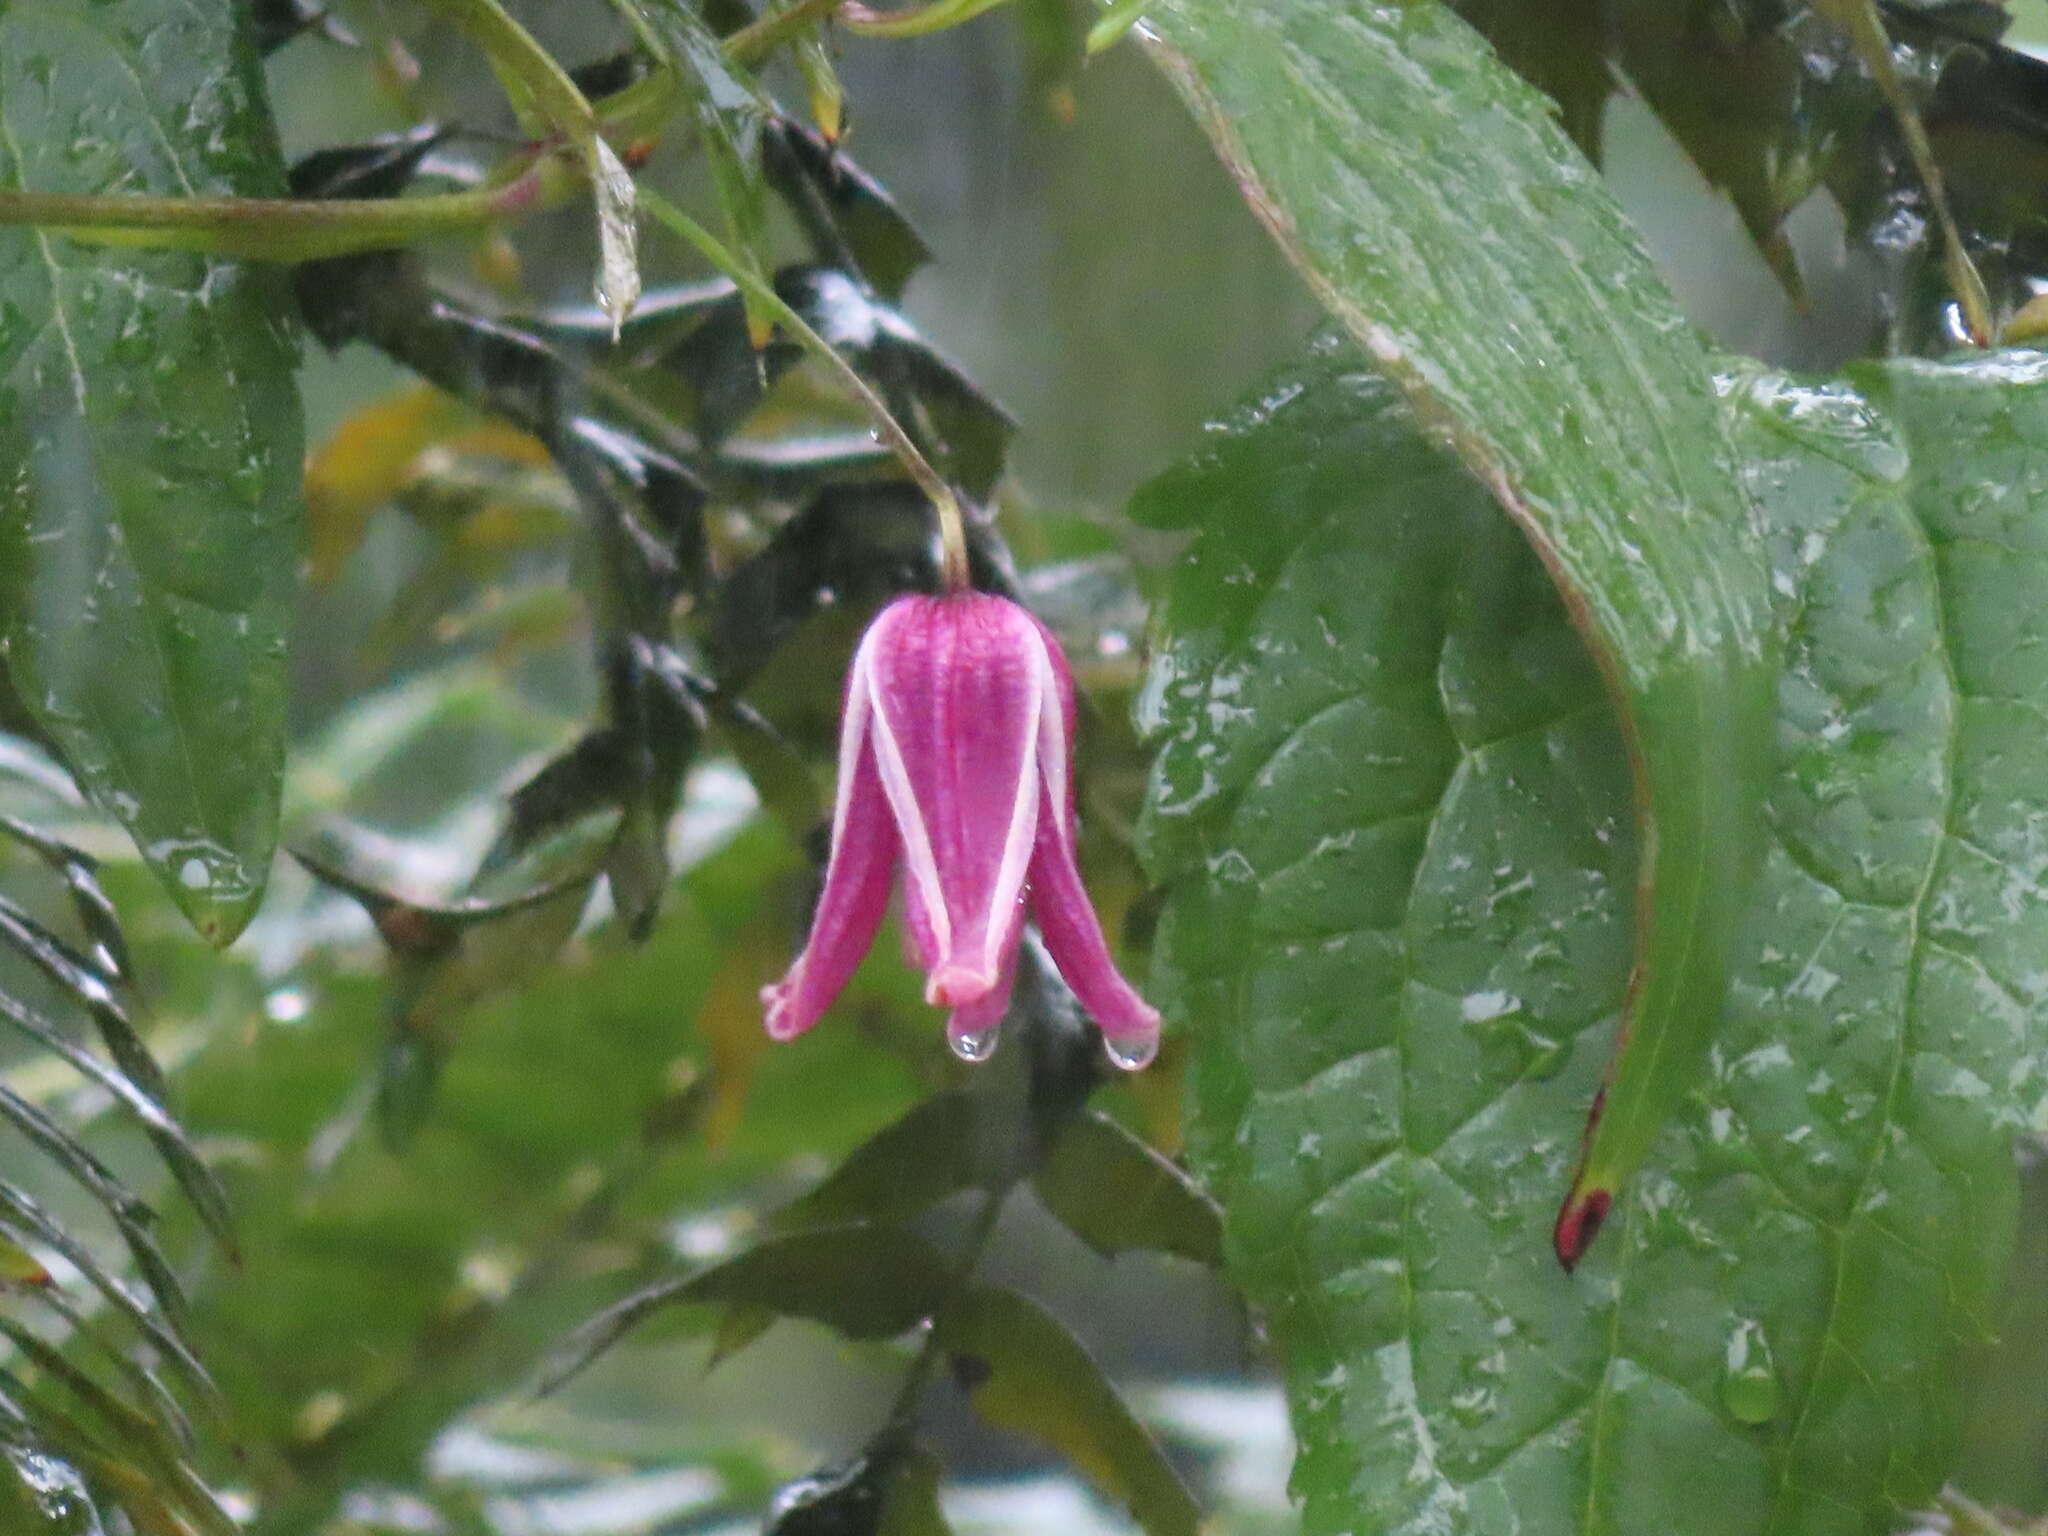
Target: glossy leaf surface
(149,525)
(1442,216)
(1392,807)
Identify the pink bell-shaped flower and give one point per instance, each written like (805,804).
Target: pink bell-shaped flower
(955,766)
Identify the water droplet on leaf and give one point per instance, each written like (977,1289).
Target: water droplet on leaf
(1749,1377)
(1545,1057)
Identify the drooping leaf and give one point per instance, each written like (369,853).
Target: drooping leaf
(95,913)
(911,1507)
(97,987)
(147,545)
(926,1156)
(1392,806)
(1025,1372)
(866,1282)
(848,216)
(1873,45)
(1116,1194)
(1443,218)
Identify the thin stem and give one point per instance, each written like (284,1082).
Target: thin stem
(903,1411)
(273,229)
(304,229)
(953,570)
(911,21)
(762,34)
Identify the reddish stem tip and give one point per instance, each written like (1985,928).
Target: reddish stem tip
(1578,1223)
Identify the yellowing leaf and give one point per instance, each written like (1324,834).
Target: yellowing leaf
(375,454)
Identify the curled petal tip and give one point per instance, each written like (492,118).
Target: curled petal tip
(775,1011)
(956,986)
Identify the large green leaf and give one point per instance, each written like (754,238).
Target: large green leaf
(1434,205)
(1400,920)
(150,425)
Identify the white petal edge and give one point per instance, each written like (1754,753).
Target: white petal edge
(1023,830)
(918,862)
(1054,732)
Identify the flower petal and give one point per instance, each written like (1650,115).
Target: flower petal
(959,685)
(985,1012)
(858,875)
(1059,901)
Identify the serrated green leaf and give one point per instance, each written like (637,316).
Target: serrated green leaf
(1116,1194)
(148,541)
(1434,205)
(1399,921)
(1026,1373)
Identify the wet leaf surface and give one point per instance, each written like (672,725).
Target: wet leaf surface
(1445,221)
(147,544)
(1392,807)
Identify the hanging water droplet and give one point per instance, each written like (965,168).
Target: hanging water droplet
(975,1045)
(1131,1052)
(1749,1377)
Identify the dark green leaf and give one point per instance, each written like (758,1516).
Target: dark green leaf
(911,1507)
(890,1489)
(1440,214)
(1026,1373)
(1399,921)
(26,1222)
(848,216)
(380,167)
(928,1155)
(851,546)
(867,1282)
(96,914)
(1116,1194)
(136,1434)
(170,1139)
(126,1209)
(148,543)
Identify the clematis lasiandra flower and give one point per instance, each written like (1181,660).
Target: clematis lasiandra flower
(956,771)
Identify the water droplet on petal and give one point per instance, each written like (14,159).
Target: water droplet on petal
(975,1045)
(1749,1378)
(1130,1052)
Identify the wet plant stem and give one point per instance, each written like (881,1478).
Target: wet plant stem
(764,33)
(534,178)
(953,571)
